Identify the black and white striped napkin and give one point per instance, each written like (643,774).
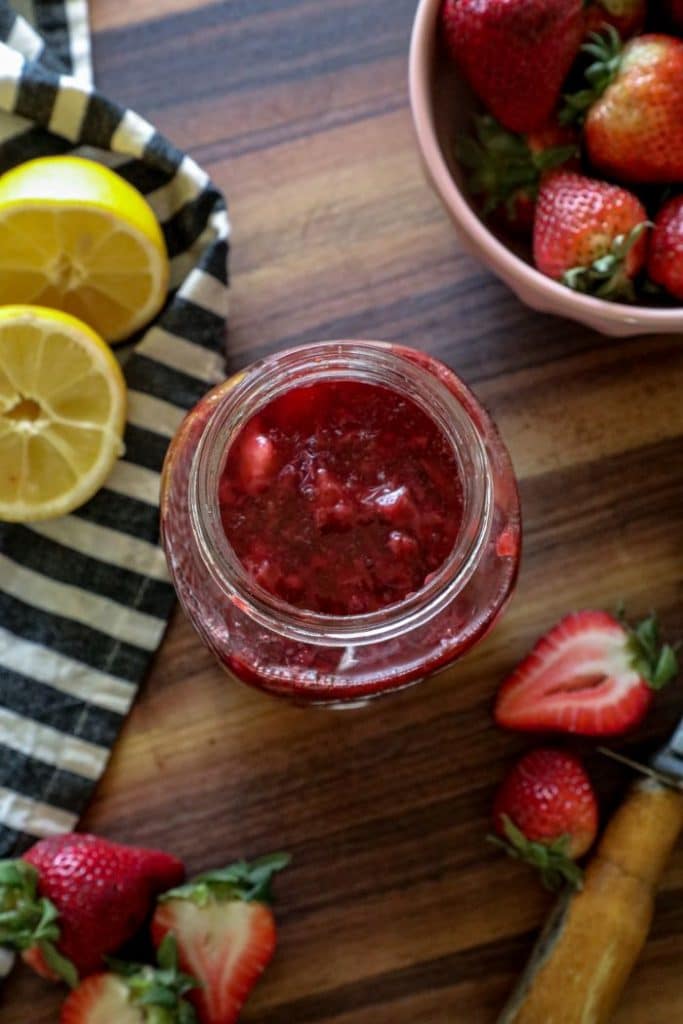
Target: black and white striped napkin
(84,599)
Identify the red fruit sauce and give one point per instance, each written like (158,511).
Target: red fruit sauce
(340,520)
(341,497)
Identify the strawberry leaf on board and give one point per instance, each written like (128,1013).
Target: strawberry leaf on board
(250,882)
(666,668)
(59,964)
(167,953)
(655,661)
(29,920)
(551,860)
(159,991)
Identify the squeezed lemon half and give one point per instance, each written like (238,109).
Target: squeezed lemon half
(62,413)
(75,236)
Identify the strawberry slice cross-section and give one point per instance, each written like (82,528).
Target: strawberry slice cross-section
(134,994)
(591,675)
(225,933)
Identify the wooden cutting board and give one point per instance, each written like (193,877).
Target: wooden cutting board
(395,909)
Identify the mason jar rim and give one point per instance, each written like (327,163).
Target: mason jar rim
(370,362)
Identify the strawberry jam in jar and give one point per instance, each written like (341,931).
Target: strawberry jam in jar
(340,520)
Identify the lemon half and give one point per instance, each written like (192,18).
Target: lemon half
(77,237)
(62,413)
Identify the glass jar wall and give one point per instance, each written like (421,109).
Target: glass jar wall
(316,657)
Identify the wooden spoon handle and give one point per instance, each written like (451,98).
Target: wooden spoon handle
(590,945)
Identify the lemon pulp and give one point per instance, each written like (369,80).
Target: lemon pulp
(76,237)
(62,413)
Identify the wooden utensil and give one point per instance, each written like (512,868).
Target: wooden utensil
(593,938)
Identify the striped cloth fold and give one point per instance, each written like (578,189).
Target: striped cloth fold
(84,600)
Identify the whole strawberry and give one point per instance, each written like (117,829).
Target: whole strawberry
(590,235)
(225,933)
(633,107)
(590,674)
(546,814)
(626,16)
(514,53)
(665,262)
(504,169)
(73,899)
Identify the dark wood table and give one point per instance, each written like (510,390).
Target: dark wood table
(395,909)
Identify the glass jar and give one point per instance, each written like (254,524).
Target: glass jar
(341,660)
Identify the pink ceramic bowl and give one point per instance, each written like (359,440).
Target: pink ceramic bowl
(441,105)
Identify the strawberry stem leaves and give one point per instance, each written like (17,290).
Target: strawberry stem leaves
(606,49)
(656,662)
(58,964)
(159,991)
(551,860)
(607,276)
(500,163)
(250,882)
(28,920)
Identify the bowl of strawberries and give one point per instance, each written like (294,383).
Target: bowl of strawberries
(552,131)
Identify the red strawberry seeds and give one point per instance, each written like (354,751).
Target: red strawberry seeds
(547,813)
(515,53)
(99,894)
(665,262)
(634,131)
(589,234)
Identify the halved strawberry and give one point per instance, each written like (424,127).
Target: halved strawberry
(590,674)
(225,933)
(133,994)
(100,999)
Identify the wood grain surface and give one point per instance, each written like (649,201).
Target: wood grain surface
(395,909)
